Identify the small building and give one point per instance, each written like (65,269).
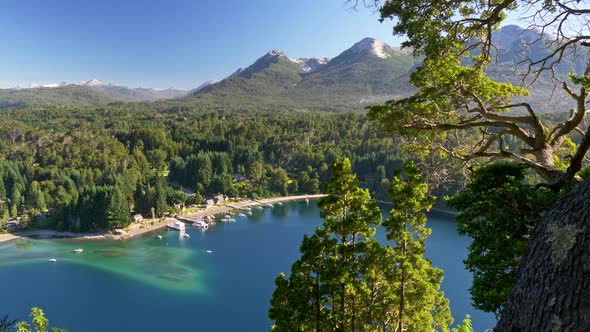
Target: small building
(209,203)
(12,224)
(137,218)
(39,217)
(219,199)
(239,178)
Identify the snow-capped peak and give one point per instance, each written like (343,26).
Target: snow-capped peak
(276,53)
(309,64)
(94,82)
(372,45)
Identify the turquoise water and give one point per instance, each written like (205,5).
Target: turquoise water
(176,284)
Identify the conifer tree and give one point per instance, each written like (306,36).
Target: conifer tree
(421,306)
(327,290)
(118,214)
(160,197)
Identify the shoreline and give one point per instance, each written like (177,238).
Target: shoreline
(148,225)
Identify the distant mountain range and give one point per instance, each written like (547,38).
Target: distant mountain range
(368,72)
(109,91)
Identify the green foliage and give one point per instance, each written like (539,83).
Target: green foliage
(69,160)
(6,323)
(583,80)
(465,326)
(327,289)
(347,281)
(118,213)
(40,323)
(420,304)
(499,211)
(464,83)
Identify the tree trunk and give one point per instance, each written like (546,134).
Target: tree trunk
(552,290)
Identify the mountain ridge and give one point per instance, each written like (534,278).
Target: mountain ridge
(368,72)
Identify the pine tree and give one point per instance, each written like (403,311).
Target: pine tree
(160,198)
(327,289)
(118,214)
(421,306)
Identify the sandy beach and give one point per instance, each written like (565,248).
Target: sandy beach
(149,225)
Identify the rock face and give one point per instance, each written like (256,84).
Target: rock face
(552,291)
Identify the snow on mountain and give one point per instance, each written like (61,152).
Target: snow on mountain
(94,82)
(275,53)
(310,64)
(372,45)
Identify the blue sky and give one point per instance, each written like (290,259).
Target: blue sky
(163,43)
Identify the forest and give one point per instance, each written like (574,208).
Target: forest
(85,169)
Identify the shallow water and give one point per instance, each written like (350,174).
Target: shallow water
(176,284)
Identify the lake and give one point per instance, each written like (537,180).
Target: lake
(218,280)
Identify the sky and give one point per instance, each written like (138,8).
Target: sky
(169,43)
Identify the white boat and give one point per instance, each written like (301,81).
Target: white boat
(178,225)
(307,200)
(280,204)
(241,215)
(201,224)
(79,250)
(209,251)
(159,237)
(186,236)
(249,213)
(227,216)
(53,260)
(259,208)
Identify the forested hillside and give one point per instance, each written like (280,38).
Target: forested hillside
(90,168)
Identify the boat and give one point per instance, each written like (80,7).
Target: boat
(307,200)
(79,250)
(159,237)
(241,215)
(259,207)
(186,236)
(280,204)
(53,260)
(227,216)
(177,225)
(201,224)
(209,251)
(249,213)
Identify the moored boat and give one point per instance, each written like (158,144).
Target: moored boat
(201,224)
(177,225)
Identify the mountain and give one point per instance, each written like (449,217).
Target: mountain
(62,95)
(369,71)
(123,93)
(202,86)
(93,92)
(513,46)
